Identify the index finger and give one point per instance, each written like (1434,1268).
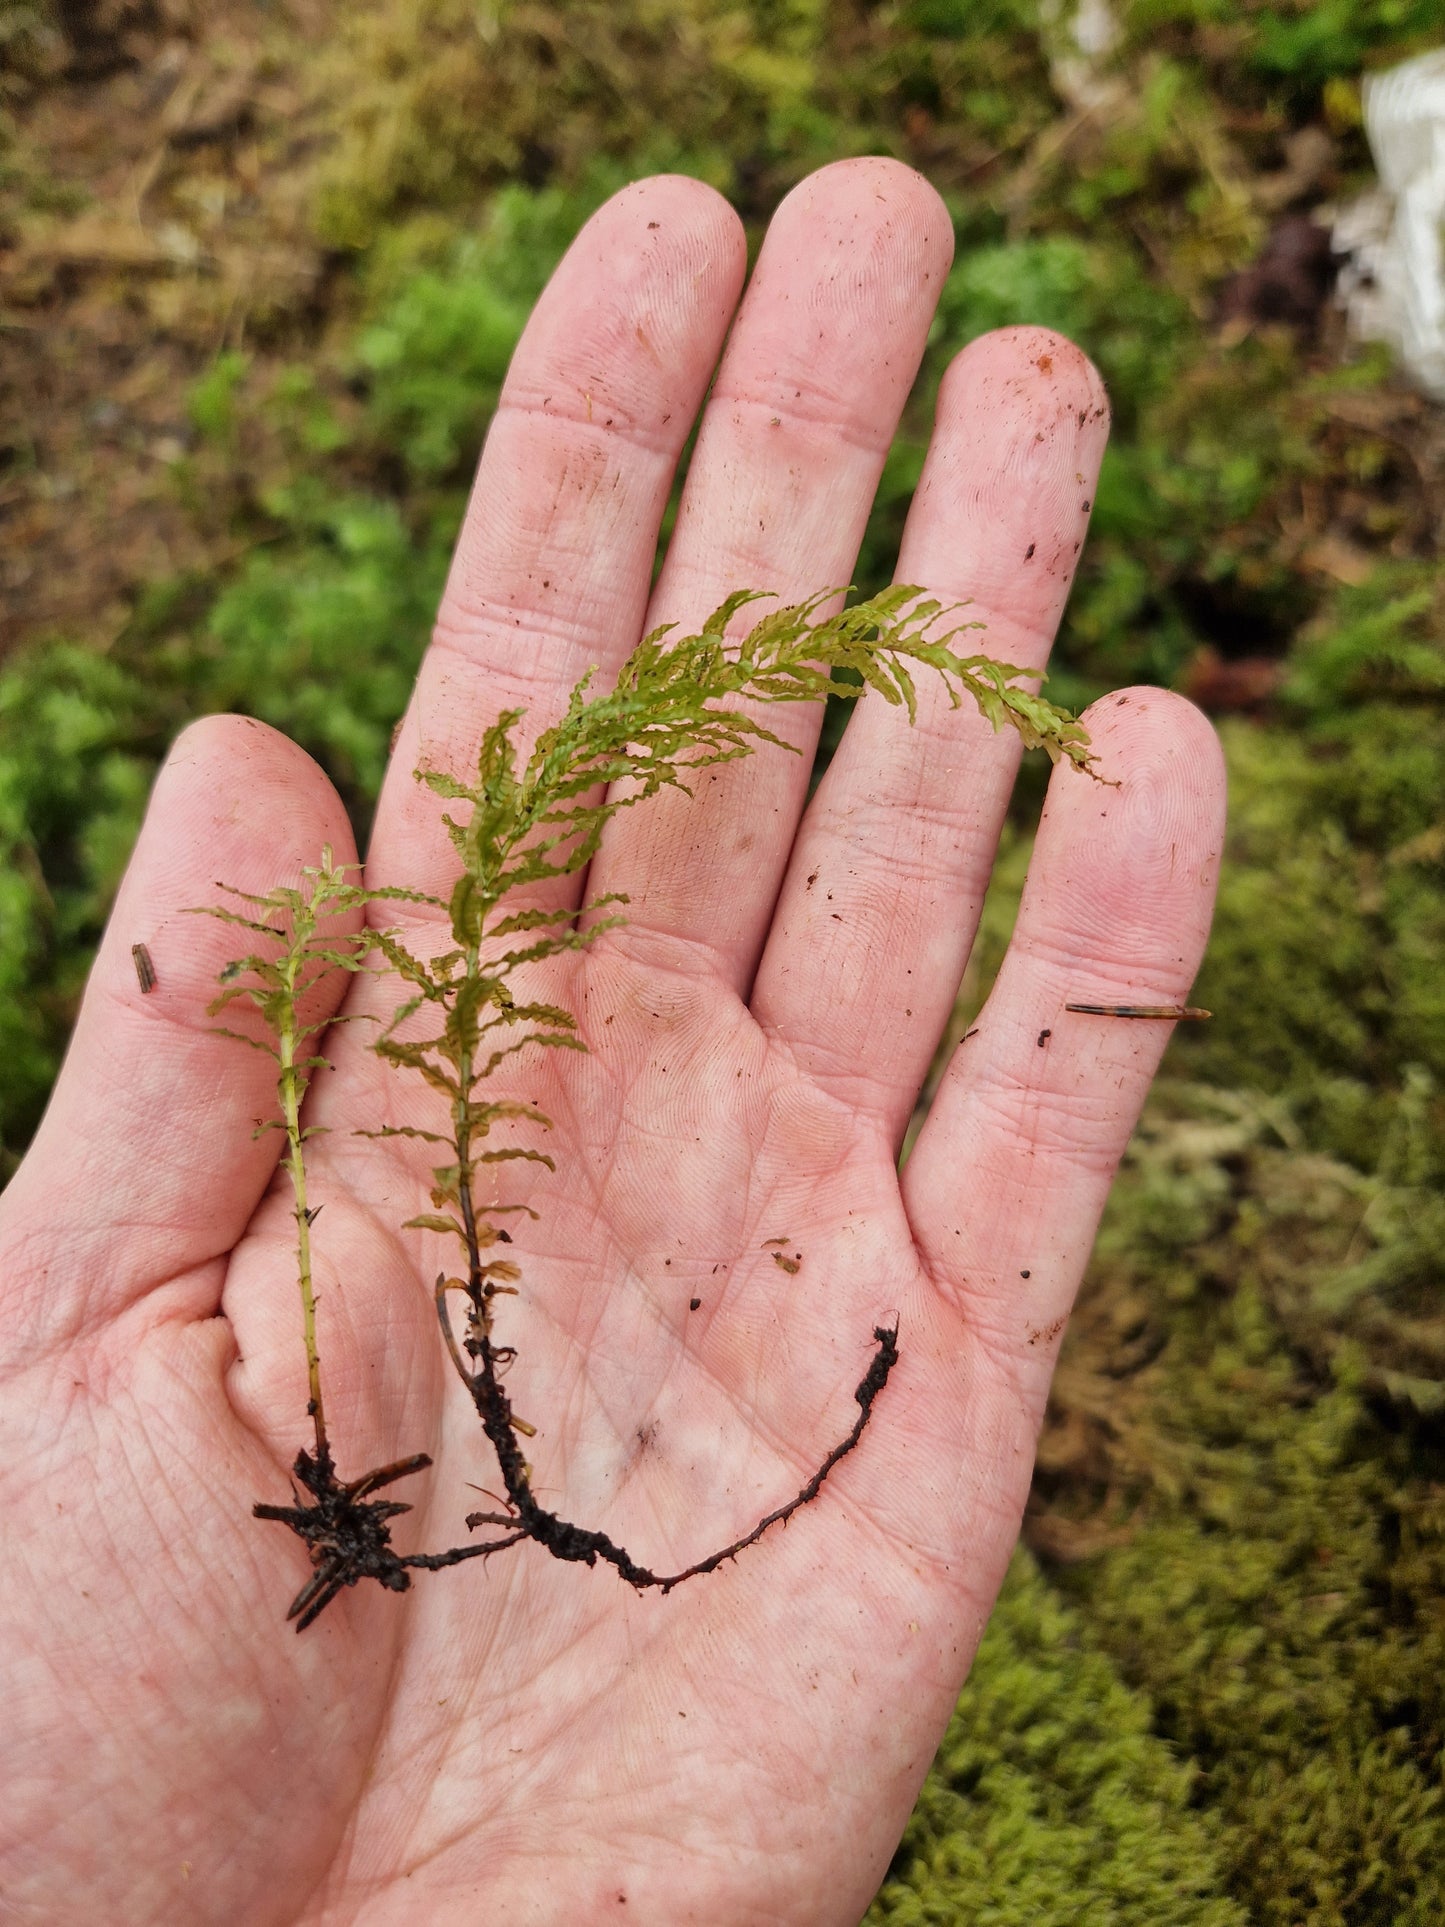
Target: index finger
(553,567)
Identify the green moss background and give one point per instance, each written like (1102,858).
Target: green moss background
(1214,1690)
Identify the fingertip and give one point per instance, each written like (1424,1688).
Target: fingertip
(660,267)
(911,239)
(236,807)
(880,175)
(247,762)
(1162,747)
(1146,705)
(1002,510)
(678,215)
(1128,856)
(681,197)
(235,800)
(1041,366)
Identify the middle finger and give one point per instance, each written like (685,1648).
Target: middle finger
(822,358)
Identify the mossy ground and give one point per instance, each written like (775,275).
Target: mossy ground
(1214,1690)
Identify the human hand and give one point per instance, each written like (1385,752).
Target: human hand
(524,1740)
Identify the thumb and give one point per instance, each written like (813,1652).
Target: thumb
(145,1167)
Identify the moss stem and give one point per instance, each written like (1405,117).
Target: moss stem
(291,1084)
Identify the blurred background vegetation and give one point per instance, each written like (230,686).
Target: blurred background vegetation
(261,269)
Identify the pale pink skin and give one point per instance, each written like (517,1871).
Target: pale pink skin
(521,1740)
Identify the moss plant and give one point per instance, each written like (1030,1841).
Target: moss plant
(1052,1802)
(345,1530)
(520,824)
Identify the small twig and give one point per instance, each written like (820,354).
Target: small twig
(1172,1013)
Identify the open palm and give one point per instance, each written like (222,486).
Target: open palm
(519,1739)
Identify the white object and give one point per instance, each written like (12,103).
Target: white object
(1078,52)
(1393,285)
